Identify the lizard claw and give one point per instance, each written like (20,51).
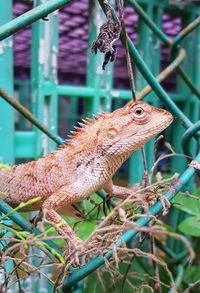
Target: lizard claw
(80,246)
(76,251)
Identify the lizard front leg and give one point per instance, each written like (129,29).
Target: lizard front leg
(64,196)
(124,192)
(117,191)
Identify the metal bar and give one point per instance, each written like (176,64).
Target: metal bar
(122,94)
(166,249)
(178,280)
(126,236)
(188,29)
(24,144)
(165,73)
(185,32)
(6,80)
(145,33)
(80,91)
(44,79)
(188,81)
(89,92)
(27,114)
(149,22)
(94,76)
(26,226)
(44,107)
(78,288)
(188,136)
(30,16)
(7,114)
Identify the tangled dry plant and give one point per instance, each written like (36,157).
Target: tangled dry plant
(122,217)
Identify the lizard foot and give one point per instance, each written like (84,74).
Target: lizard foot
(80,246)
(76,251)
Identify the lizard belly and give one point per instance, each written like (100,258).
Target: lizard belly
(92,179)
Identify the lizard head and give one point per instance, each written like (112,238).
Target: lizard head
(127,129)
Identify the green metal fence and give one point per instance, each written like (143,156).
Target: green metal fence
(99,93)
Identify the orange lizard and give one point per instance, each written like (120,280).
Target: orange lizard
(84,164)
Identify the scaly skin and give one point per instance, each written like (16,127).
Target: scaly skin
(85,164)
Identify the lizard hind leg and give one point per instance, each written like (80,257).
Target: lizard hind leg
(64,196)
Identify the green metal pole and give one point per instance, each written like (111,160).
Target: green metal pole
(43,79)
(6,81)
(144,34)
(25,225)
(30,16)
(6,111)
(44,103)
(94,70)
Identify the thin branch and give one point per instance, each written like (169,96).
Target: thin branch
(128,58)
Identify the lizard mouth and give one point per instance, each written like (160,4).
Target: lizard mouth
(160,126)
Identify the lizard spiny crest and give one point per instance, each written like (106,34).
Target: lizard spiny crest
(84,126)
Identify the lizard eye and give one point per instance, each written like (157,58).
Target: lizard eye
(140,115)
(112,133)
(138,111)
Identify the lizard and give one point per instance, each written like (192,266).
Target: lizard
(84,164)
